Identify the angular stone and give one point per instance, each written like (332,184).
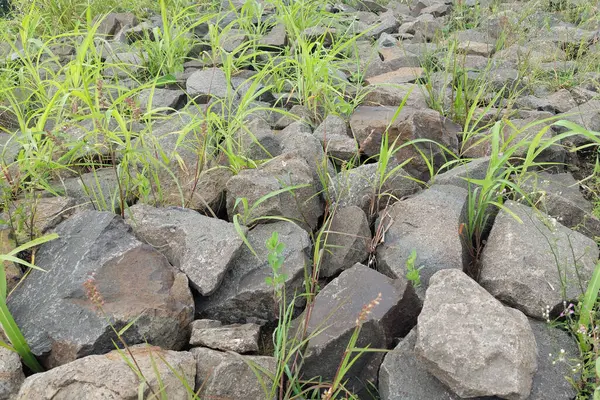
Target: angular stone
(369,124)
(161,98)
(393,95)
(114,22)
(360,187)
(586,115)
(336,310)
(347,242)
(519,261)
(201,247)
(277,37)
(109,376)
(236,337)
(402,376)
(258,141)
(302,206)
(207,83)
(427,223)
(12,271)
(298,113)
(123,64)
(558,195)
(11,373)
(561,101)
(476,48)
(396,77)
(244,296)
(61,323)
(457,176)
(230,376)
(333,133)
(472,343)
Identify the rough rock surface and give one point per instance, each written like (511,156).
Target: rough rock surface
(347,242)
(207,83)
(519,261)
(427,223)
(216,371)
(236,337)
(473,343)
(244,296)
(108,376)
(337,308)
(11,373)
(303,206)
(201,247)
(61,323)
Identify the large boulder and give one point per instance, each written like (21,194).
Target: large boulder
(208,83)
(244,295)
(110,376)
(340,307)
(231,376)
(428,224)
(302,204)
(472,343)
(201,247)
(535,264)
(369,125)
(97,263)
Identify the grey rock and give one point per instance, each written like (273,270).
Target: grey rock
(462,340)
(302,206)
(360,187)
(201,247)
(258,141)
(403,377)
(9,148)
(457,176)
(161,98)
(426,28)
(11,372)
(347,242)
(207,83)
(108,376)
(561,101)
(333,133)
(277,37)
(99,189)
(558,195)
(122,65)
(230,376)
(519,261)
(244,296)
(236,337)
(427,223)
(369,124)
(393,95)
(549,382)
(297,113)
(386,22)
(114,22)
(336,310)
(586,115)
(61,323)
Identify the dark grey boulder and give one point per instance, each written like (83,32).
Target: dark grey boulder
(207,83)
(338,308)
(201,247)
(457,176)
(157,98)
(243,295)
(232,376)
(535,264)
(301,205)
(347,241)
(427,223)
(61,323)
(462,339)
(333,133)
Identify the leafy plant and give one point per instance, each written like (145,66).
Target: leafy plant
(412,272)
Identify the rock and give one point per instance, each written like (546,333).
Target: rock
(114,22)
(347,242)
(393,95)
(11,372)
(361,187)
(549,382)
(426,28)
(457,176)
(161,98)
(201,247)
(123,65)
(402,376)
(99,188)
(471,342)
(277,37)
(12,271)
(237,338)
(497,79)
(302,206)
(427,223)
(96,252)
(561,101)
(475,48)
(230,376)
(207,83)
(369,124)
(108,376)
(297,113)
(396,77)
(558,195)
(519,261)
(339,306)
(386,22)
(244,296)
(333,135)
(586,115)
(258,141)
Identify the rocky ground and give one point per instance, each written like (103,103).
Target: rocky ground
(162,218)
